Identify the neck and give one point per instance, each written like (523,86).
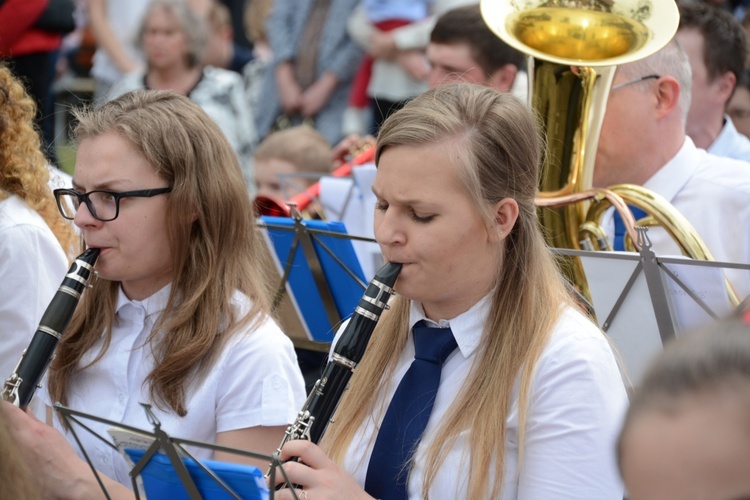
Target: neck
(178,78)
(705,132)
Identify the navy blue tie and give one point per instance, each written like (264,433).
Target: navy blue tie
(408,413)
(619,243)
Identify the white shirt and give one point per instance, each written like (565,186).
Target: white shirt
(32,268)
(577,402)
(713,193)
(731,143)
(254,382)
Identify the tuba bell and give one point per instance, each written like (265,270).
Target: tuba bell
(573,48)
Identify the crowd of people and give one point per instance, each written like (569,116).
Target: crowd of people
(486,377)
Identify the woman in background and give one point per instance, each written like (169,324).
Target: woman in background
(172,38)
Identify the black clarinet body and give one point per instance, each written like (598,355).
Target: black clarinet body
(324,398)
(20,386)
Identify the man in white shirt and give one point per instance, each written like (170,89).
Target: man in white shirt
(716,45)
(643,142)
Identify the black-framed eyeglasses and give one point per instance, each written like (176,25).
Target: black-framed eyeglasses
(103,204)
(636,80)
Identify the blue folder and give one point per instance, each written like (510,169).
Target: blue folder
(345,289)
(160,480)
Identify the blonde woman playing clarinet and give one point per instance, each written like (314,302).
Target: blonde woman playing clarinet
(483,380)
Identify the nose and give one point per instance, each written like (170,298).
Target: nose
(388,228)
(84,219)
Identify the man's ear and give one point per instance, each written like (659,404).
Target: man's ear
(506,215)
(725,85)
(502,78)
(667,96)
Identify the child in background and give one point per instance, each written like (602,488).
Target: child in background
(289,161)
(364,104)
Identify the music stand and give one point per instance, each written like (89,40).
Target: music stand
(172,447)
(320,276)
(642,301)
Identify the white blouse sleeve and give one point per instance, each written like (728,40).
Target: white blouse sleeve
(577,403)
(261,383)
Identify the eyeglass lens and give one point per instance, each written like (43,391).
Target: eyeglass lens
(101,204)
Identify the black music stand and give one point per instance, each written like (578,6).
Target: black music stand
(319,265)
(172,447)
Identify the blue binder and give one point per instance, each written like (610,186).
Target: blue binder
(339,263)
(160,480)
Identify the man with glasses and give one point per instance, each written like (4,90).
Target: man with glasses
(643,142)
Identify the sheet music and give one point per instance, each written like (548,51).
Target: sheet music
(634,330)
(352,202)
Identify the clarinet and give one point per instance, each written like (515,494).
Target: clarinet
(316,414)
(20,386)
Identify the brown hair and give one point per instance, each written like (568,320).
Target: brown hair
(499,147)
(724,38)
(213,241)
(22,164)
(466,25)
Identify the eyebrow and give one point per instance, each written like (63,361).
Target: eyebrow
(101,185)
(410,203)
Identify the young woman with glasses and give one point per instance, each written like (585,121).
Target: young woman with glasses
(178,316)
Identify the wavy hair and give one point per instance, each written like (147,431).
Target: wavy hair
(211,228)
(22,163)
(499,148)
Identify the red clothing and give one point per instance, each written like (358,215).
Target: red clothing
(17,34)
(358,96)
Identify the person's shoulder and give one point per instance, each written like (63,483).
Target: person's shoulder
(723,173)
(15,213)
(573,332)
(221,76)
(261,329)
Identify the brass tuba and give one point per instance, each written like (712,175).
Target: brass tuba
(573,48)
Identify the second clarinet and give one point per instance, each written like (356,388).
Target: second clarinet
(20,386)
(314,417)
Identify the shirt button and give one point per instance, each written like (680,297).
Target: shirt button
(277,384)
(122,398)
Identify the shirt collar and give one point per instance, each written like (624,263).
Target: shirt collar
(153,304)
(675,174)
(723,142)
(467,327)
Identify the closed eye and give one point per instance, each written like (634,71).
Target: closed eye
(421,220)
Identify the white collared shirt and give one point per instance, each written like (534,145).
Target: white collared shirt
(576,405)
(713,193)
(254,382)
(32,267)
(731,143)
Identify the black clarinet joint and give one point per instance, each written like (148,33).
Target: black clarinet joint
(19,388)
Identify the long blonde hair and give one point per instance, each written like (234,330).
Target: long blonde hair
(500,152)
(213,241)
(23,168)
